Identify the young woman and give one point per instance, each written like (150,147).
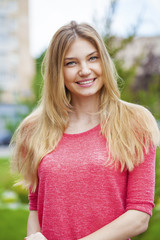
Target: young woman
(87,157)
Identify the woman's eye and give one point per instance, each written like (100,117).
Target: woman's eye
(70,63)
(93,58)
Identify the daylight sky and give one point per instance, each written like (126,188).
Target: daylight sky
(46,16)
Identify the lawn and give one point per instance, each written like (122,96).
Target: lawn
(13,222)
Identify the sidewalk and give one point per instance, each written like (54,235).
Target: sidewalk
(5,151)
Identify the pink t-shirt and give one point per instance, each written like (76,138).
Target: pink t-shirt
(77,194)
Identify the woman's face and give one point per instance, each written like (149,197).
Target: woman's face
(82,69)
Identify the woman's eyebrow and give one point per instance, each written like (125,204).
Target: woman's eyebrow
(71,58)
(92,53)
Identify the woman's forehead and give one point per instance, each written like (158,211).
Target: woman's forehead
(80,45)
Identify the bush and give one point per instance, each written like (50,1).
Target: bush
(7,180)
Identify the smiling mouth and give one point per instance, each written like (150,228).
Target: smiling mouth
(86,81)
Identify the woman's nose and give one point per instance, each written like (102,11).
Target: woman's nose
(84,70)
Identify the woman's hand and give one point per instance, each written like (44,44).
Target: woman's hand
(35,236)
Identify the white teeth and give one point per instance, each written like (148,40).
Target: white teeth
(85,82)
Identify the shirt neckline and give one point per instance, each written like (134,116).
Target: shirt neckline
(82,133)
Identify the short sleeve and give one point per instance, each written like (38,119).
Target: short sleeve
(141,185)
(33,199)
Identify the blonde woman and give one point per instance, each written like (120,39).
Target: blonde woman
(87,157)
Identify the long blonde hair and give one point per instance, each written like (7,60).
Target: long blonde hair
(128,128)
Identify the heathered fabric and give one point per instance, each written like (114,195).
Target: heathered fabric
(77,194)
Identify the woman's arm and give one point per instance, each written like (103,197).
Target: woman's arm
(33,227)
(129,224)
(33,223)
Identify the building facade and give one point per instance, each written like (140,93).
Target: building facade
(16,64)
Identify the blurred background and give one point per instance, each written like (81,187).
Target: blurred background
(131,32)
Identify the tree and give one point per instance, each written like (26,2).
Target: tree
(37,84)
(146,86)
(114,45)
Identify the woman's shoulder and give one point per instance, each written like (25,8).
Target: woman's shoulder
(142,121)
(138,111)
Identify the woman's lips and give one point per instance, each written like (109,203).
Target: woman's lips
(86,82)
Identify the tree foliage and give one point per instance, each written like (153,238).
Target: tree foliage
(114,45)
(146,87)
(143,89)
(37,84)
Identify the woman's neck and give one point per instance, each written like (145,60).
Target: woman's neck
(88,104)
(84,115)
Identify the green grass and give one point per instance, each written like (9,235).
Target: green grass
(13,224)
